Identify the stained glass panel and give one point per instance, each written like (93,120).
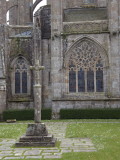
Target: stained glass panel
(81,81)
(99,80)
(24,82)
(17,82)
(90,81)
(21,70)
(72,81)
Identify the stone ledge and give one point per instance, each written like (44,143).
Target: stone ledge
(87,99)
(36,138)
(20,100)
(95,32)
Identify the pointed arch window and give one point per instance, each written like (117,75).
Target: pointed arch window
(21,76)
(86,68)
(72,78)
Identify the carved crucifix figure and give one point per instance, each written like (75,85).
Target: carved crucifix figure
(37,91)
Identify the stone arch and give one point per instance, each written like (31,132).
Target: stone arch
(90,41)
(15,59)
(34,5)
(21,76)
(86,58)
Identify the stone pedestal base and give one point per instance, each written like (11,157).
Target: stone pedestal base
(36,136)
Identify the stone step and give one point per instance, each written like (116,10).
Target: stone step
(36,144)
(48,138)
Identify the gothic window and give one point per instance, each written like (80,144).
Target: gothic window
(99,77)
(90,81)
(85,68)
(21,75)
(81,80)
(72,79)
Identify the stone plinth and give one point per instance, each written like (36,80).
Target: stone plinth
(36,136)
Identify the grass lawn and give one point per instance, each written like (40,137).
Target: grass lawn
(105,136)
(12,131)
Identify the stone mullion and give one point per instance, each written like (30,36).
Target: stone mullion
(21,82)
(67,84)
(28,81)
(28,85)
(95,81)
(85,80)
(13,83)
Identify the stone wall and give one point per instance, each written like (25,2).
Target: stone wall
(19,11)
(79,3)
(19,44)
(52,50)
(20,105)
(60,46)
(82,104)
(3,8)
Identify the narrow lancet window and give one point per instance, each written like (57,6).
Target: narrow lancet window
(21,76)
(72,78)
(99,77)
(90,81)
(81,81)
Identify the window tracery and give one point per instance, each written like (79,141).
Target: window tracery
(85,65)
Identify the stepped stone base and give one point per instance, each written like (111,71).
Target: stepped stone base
(36,136)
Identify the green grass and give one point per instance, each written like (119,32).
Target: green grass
(105,136)
(71,120)
(12,131)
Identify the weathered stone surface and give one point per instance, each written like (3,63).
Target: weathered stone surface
(50,151)
(53,156)
(32,152)
(58,39)
(14,158)
(36,144)
(33,157)
(66,150)
(36,136)
(46,154)
(37,129)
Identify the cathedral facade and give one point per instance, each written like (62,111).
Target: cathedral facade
(76,41)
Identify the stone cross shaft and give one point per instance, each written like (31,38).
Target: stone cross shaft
(37,91)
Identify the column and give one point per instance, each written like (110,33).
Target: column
(114,47)
(56,54)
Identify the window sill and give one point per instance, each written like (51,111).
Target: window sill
(91,96)
(85,95)
(85,99)
(19,98)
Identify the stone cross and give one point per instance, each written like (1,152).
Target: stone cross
(37,91)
